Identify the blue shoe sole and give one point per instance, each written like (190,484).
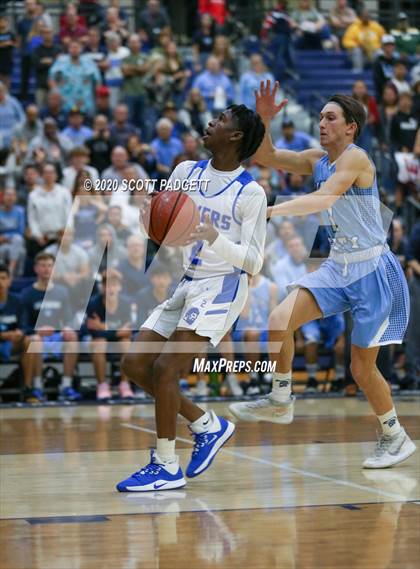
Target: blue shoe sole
(232,426)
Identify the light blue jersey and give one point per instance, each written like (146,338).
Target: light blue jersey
(361,274)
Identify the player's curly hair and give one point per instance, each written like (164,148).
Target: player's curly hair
(250,123)
(353,111)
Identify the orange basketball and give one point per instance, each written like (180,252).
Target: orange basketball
(171,218)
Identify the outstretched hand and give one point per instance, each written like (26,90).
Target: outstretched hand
(265,100)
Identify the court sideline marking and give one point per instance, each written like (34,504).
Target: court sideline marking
(285,467)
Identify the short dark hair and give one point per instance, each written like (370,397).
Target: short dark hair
(353,111)
(43,256)
(250,123)
(4,269)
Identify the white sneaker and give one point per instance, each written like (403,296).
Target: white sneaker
(264,409)
(233,385)
(390,451)
(201,388)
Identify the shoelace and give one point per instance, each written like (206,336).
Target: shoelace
(200,440)
(263,402)
(151,468)
(382,445)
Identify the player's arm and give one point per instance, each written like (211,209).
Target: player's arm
(248,255)
(349,167)
(269,156)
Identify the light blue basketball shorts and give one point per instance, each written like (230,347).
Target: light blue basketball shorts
(375,292)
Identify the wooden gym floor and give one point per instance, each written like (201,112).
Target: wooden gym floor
(278,496)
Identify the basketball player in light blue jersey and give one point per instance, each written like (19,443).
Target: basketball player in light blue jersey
(360,275)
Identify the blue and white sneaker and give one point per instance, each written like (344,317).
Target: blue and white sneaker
(208,444)
(69,394)
(155,476)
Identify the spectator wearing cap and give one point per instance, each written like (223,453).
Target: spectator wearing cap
(76,131)
(11,115)
(166,146)
(7,46)
(383,66)
(103,105)
(100,145)
(215,86)
(76,77)
(341,17)
(399,78)
(112,66)
(79,158)
(43,58)
(134,67)
(249,81)
(407,38)
(293,139)
(54,109)
(121,128)
(363,39)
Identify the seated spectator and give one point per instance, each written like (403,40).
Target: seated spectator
(249,81)
(399,78)
(174,67)
(43,58)
(94,48)
(103,105)
(54,109)
(46,317)
(154,293)
(11,115)
(12,233)
(387,110)
(77,132)
(114,218)
(79,158)
(121,128)
(166,147)
(30,179)
(106,239)
(75,76)
(72,26)
(109,320)
(49,207)
(25,131)
(89,211)
(252,326)
(119,162)
(369,132)
(12,340)
(132,269)
(194,113)
(151,21)
(223,51)
(293,139)
(71,269)
(115,24)
(407,38)
(141,153)
(7,45)
(134,68)
(404,125)
(363,40)
(112,66)
(312,30)
(52,143)
(291,267)
(101,144)
(215,86)
(203,40)
(341,17)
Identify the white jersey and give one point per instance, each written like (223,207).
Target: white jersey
(237,207)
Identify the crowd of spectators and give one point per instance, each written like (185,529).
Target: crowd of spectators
(100,102)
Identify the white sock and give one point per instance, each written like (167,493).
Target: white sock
(66,381)
(311,370)
(339,372)
(282,386)
(207,423)
(165,449)
(389,423)
(38,382)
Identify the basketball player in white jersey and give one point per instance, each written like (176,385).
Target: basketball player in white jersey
(360,275)
(226,247)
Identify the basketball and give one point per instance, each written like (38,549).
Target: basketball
(171,218)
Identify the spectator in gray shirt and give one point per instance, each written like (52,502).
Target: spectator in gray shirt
(11,114)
